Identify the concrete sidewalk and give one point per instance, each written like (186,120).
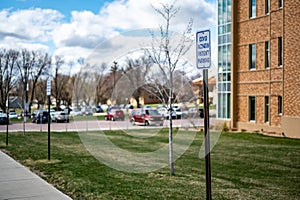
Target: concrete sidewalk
(18,182)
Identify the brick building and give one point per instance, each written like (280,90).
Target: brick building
(258,65)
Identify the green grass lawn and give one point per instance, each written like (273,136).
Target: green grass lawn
(244,166)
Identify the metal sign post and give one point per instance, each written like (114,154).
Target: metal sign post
(7,115)
(48,91)
(203,54)
(41,117)
(66,111)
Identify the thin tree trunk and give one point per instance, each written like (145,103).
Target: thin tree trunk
(171,127)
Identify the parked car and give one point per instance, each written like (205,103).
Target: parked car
(194,112)
(115,114)
(114,107)
(34,113)
(25,114)
(201,113)
(98,109)
(178,112)
(165,113)
(104,107)
(129,106)
(185,113)
(146,116)
(12,115)
(87,112)
(76,112)
(60,116)
(3,118)
(52,114)
(40,117)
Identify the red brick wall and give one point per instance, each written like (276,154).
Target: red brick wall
(260,82)
(291,96)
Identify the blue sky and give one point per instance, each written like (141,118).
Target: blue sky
(73,28)
(64,6)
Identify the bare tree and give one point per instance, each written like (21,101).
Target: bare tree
(166,54)
(101,89)
(40,94)
(112,79)
(61,80)
(86,82)
(89,81)
(77,80)
(136,72)
(32,66)
(8,74)
(66,95)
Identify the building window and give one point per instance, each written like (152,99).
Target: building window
(267,6)
(252,11)
(224,58)
(252,56)
(267,109)
(267,54)
(279,104)
(252,108)
(280,3)
(280,51)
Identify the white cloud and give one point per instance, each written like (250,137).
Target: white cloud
(131,14)
(85,30)
(136,14)
(32,25)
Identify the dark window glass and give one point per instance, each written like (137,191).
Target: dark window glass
(280,51)
(279,104)
(267,6)
(280,3)
(252,108)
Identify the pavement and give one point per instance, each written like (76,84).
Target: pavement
(18,182)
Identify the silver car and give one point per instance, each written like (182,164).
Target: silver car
(60,116)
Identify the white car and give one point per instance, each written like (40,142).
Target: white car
(76,112)
(165,113)
(52,114)
(13,115)
(178,113)
(60,116)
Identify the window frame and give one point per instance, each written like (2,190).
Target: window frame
(267,7)
(267,109)
(267,54)
(252,9)
(252,54)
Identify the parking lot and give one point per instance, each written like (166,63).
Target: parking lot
(89,125)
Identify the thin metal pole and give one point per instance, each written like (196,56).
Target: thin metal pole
(49,118)
(206,135)
(7,115)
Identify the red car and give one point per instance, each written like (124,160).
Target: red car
(146,116)
(115,115)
